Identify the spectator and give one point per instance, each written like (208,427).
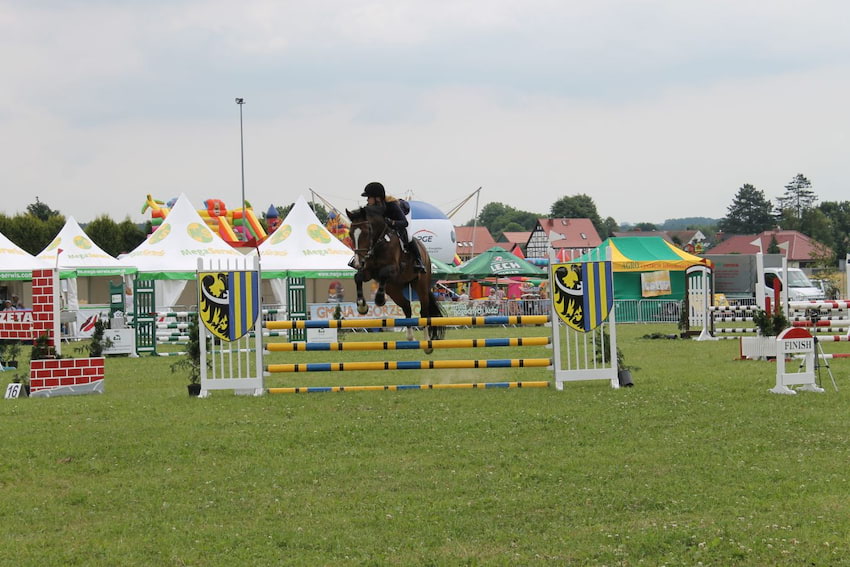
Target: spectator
(16,304)
(7,305)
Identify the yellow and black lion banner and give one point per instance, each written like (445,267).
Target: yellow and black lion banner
(228,302)
(583,294)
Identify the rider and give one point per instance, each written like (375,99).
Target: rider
(395,218)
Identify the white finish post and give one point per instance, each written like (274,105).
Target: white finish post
(795,341)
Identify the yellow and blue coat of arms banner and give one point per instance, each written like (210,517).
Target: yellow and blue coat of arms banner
(229,302)
(583,293)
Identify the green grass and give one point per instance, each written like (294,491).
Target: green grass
(697,463)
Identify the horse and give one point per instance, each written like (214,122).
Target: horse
(379,255)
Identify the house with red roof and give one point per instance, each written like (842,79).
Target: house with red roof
(472,241)
(571,238)
(799,249)
(513,240)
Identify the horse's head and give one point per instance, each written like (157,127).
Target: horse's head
(367,229)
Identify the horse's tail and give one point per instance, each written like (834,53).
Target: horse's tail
(434,310)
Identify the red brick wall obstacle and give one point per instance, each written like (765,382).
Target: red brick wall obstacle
(51,377)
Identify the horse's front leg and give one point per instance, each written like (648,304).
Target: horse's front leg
(359,278)
(381,294)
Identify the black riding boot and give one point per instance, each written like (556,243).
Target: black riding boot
(417,259)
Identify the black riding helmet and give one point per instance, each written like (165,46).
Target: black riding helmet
(374,189)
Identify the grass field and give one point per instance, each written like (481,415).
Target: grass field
(697,464)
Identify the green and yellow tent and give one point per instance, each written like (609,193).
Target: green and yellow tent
(632,256)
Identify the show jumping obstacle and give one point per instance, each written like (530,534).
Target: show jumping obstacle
(239,365)
(400,387)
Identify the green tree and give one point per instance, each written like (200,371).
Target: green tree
(131,235)
(773,247)
(105,233)
(645,227)
(749,213)
(500,218)
(579,206)
(41,210)
(32,233)
(838,214)
(317,208)
(610,226)
(798,198)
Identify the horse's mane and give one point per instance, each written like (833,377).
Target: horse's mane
(366,213)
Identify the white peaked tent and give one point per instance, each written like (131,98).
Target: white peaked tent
(302,247)
(16,263)
(170,255)
(82,255)
(79,257)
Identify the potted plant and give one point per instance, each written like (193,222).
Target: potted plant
(9,351)
(603,354)
(624,372)
(98,342)
(768,324)
(42,348)
(191,361)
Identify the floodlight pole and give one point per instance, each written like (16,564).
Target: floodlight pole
(240,102)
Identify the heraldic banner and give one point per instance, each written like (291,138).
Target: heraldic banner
(583,293)
(229,302)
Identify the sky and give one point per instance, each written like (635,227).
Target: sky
(655,109)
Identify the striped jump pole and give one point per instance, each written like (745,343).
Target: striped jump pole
(410,345)
(411,322)
(410,365)
(401,387)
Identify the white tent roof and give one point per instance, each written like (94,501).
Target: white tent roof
(302,247)
(80,254)
(16,263)
(172,251)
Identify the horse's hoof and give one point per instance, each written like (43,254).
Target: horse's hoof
(380,300)
(362,309)
(428,350)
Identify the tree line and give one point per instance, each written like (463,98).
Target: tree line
(35,229)
(828,223)
(751,212)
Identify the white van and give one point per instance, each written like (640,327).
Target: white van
(799,286)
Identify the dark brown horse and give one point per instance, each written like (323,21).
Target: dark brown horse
(380,256)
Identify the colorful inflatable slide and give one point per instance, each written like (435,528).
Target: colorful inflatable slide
(239,227)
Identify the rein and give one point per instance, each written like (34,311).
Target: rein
(374,244)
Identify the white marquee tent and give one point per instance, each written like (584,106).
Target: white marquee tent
(80,254)
(79,257)
(302,247)
(16,263)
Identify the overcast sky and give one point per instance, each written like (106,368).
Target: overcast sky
(655,109)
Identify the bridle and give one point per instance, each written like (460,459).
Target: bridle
(365,253)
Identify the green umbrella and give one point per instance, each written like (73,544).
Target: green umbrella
(441,270)
(498,262)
